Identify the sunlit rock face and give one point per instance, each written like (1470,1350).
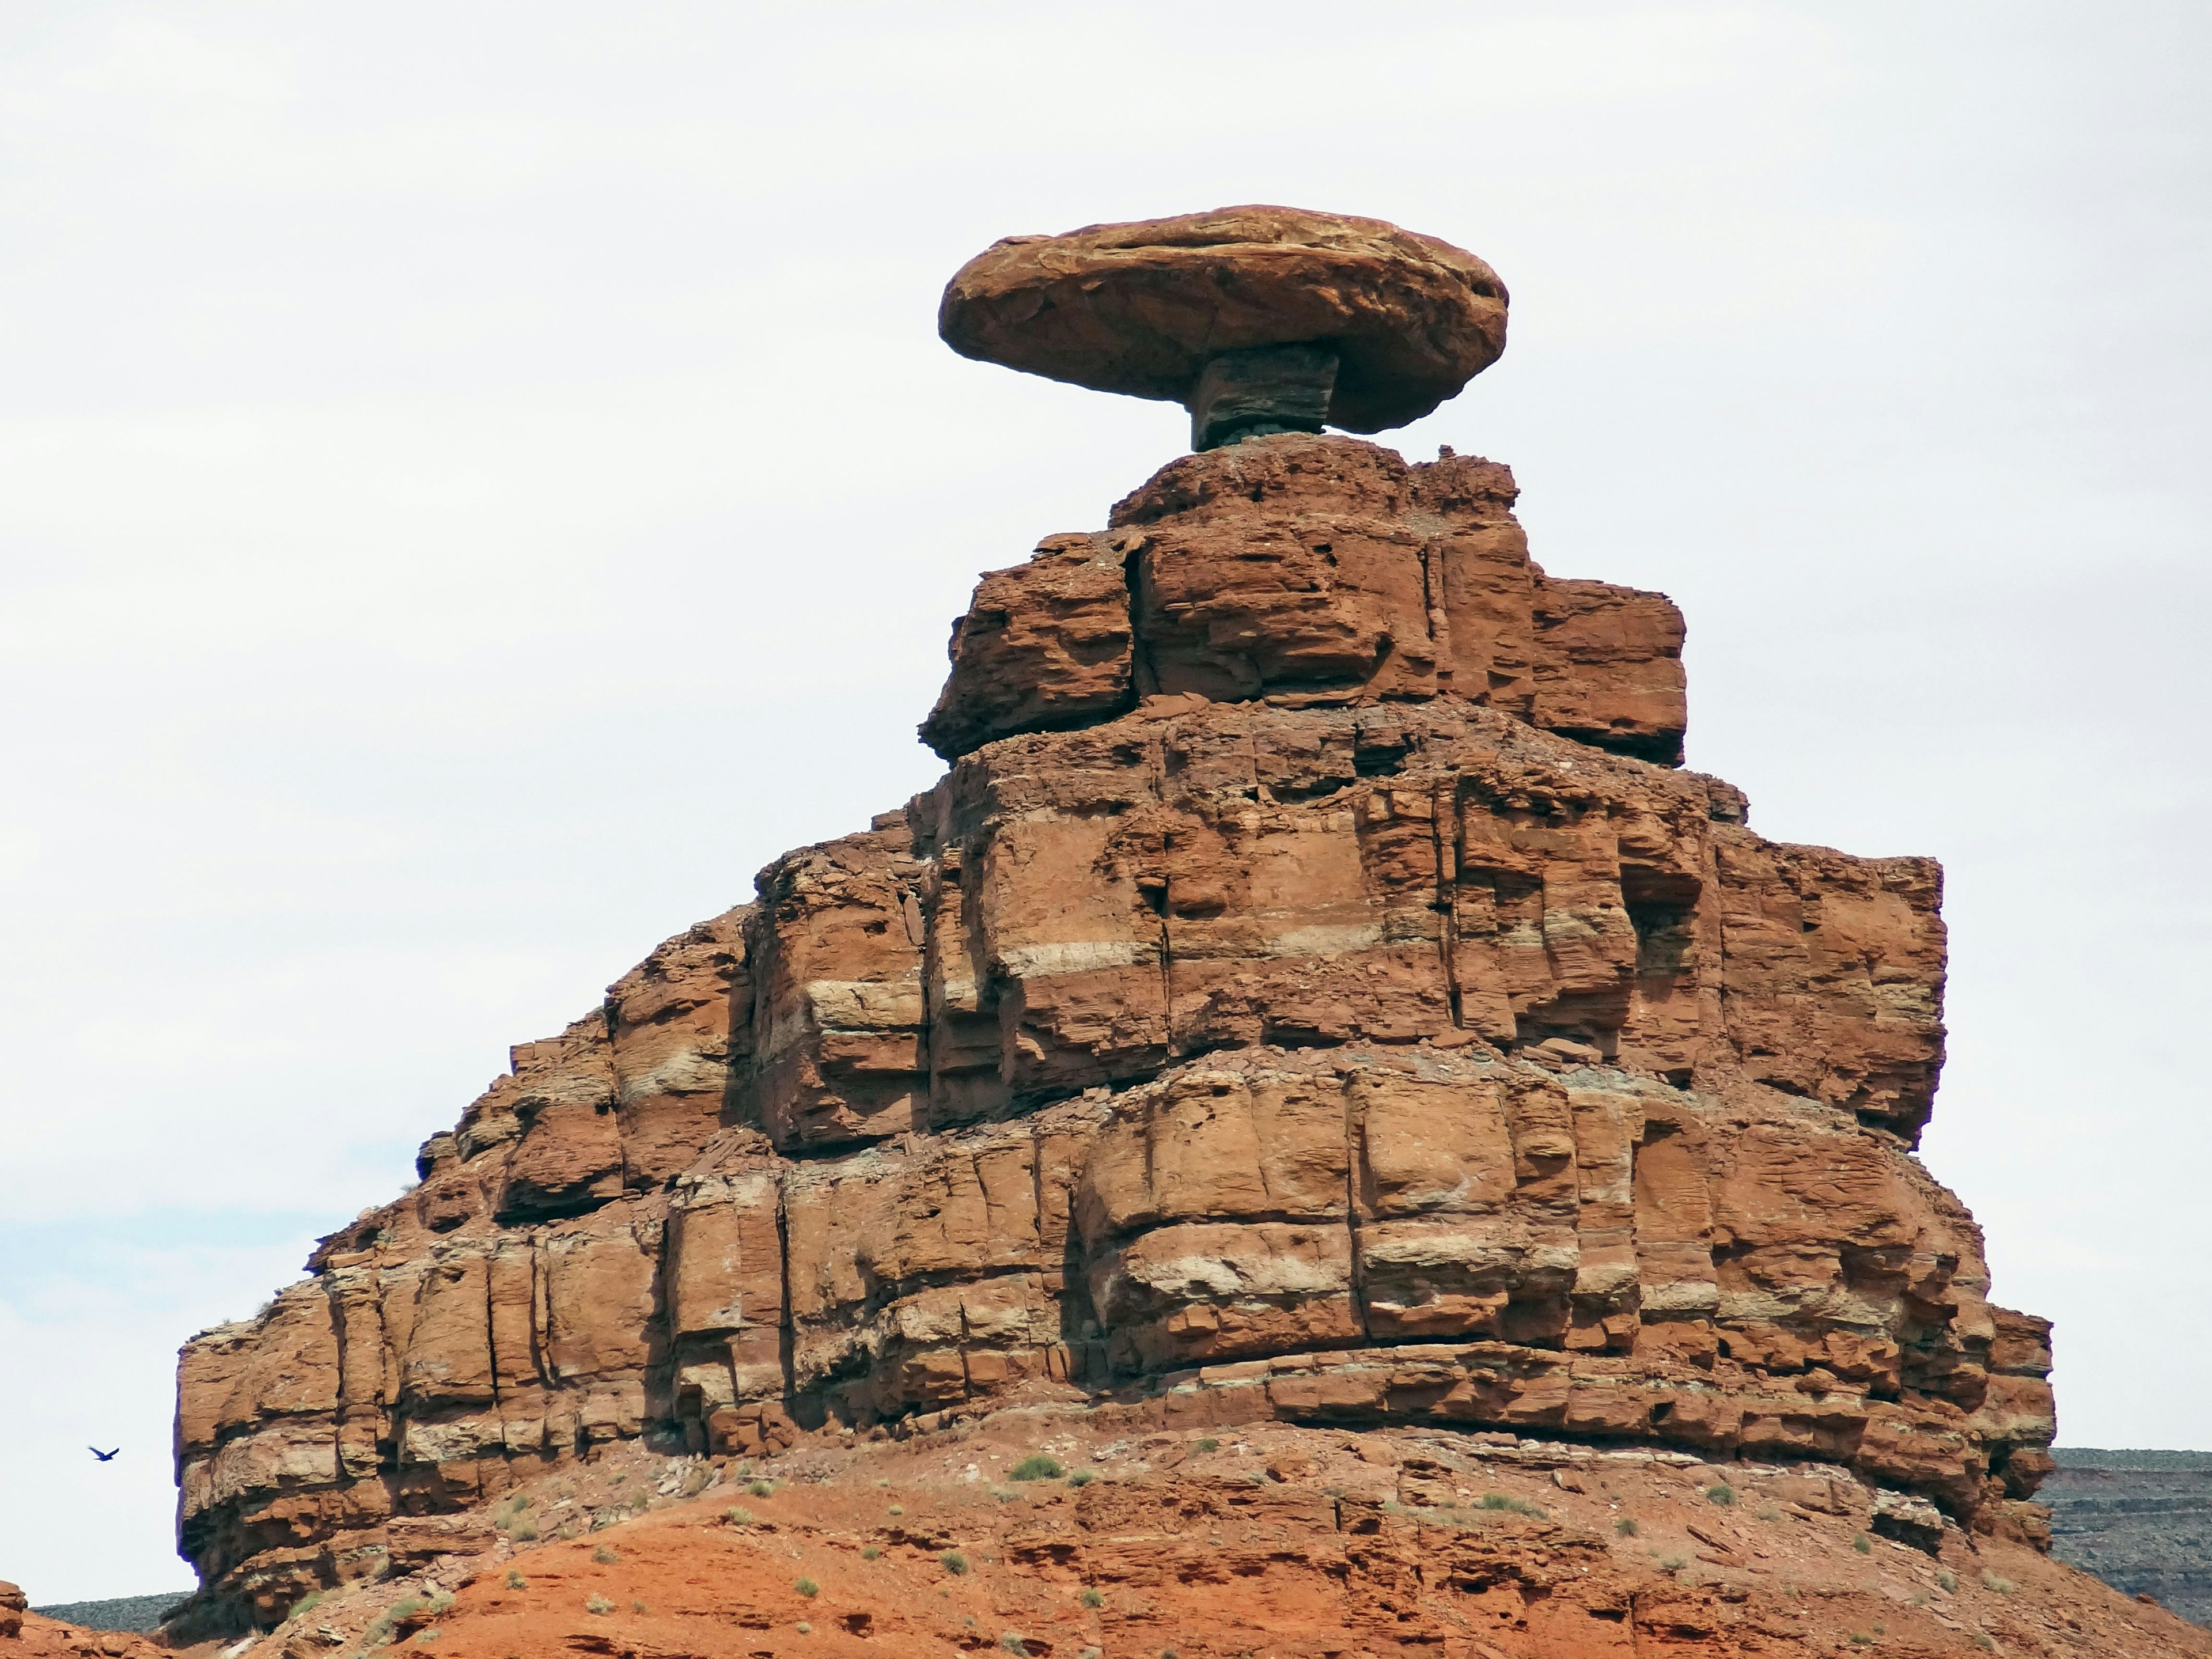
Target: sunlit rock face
(1315,978)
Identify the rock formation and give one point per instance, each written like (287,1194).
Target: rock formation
(2140,1520)
(1313,994)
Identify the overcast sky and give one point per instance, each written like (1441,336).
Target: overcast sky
(478,481)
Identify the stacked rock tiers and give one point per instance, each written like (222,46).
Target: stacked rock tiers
(1307,995)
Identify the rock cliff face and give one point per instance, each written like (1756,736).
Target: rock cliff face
(1314,992)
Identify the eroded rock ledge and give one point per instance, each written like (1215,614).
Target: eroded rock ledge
(1338,1045)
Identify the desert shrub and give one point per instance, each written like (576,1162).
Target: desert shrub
(1991,1582)
(600,1605)
(1038,1467)
(696,1479)
(738,1516)
(516,1581)
(897,1509)
(306,1605)
(1982,1641)
(953,1562)
(1498,1500)
(1013,1644)
(523,1533)
(1091,1598)
(1721,1494)
(1945,1579)
(605,1556)
(808,1587)
(1082,1477)
(1862,1543)
(1626,1526)
(870,1554)
(1207,1443)
(759,1489)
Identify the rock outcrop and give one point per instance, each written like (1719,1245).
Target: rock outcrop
(1403,320)
(1315,993)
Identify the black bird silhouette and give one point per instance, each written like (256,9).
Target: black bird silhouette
(104,1456)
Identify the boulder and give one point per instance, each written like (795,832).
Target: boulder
(1144,308)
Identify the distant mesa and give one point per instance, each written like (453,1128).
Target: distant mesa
(1257,320)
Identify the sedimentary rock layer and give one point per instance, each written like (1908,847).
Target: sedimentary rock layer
(1310,571)
(1339,1047)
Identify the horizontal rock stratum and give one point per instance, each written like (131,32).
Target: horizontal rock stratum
(1314,988)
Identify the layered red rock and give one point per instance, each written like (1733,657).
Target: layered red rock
(1342,1034)
(1298,571)
(1141,308)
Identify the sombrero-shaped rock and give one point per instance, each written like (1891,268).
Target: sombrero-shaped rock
(1143,308)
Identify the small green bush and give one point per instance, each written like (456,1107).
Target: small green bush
(1982,1641)
(1626,1526)
(1082,1477)
(1014,1644)
(870,1554)
(1498,1500)
(1091,1598)
(637,1607)
(1207,1443)
(1721,1494)
(605,1556)
(897,1509)
(804,1628)
(1862,1543)
(808,1587)
(516,1581)
(760,1489)
(1861,1640)
(1674,1563)
(2001,1586)
(600,1605)
(523,1533)
(1038,1467)
(738,1516)
(306,1605)
(1945,1579)
(953,1562)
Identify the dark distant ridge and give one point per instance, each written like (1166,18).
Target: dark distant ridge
(2140,1520)
(139,1614)
(2096,1457)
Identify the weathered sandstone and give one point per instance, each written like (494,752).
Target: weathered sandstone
(1314,994)
(1143,308)
(1303,572)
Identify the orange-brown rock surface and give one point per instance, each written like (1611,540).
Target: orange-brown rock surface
(1315,996)
(27,1635)
(1141,308)
(1062,1530)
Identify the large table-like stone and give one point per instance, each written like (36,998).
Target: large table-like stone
(1143,308)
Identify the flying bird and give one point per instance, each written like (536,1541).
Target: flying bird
(104,1456)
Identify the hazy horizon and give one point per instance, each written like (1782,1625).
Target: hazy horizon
(481,481)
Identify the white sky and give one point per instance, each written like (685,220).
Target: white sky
(477,481)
